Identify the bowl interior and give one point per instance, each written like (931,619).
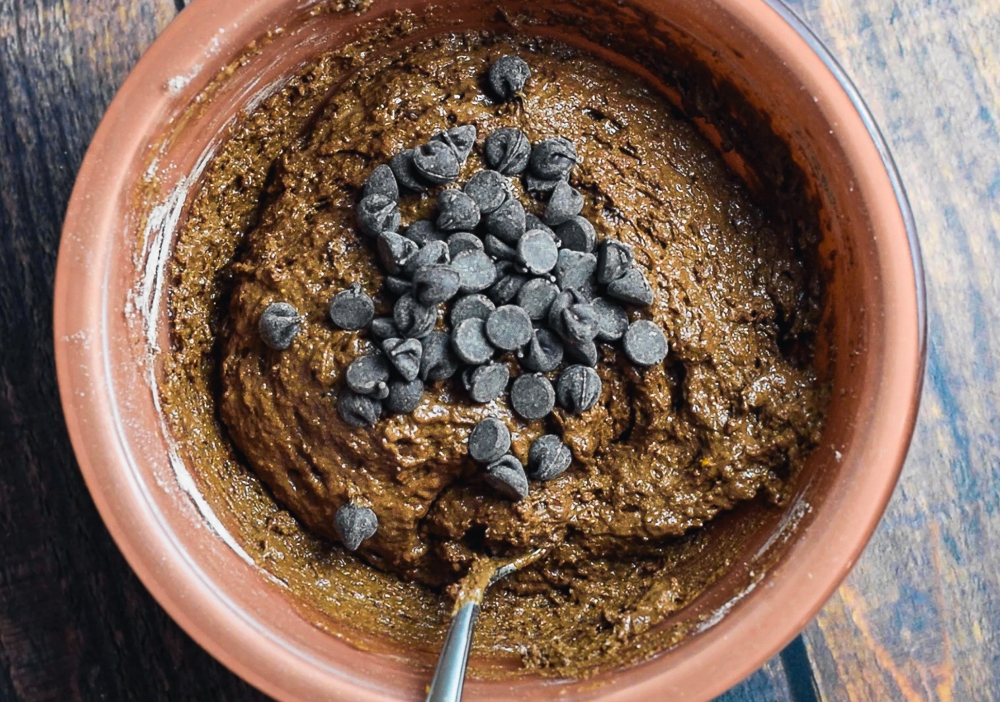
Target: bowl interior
(111,323)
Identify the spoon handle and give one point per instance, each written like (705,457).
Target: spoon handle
(450,672)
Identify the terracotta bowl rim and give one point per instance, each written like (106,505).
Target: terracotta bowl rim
(237,638)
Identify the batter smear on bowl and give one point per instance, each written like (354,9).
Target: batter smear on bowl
(638,362)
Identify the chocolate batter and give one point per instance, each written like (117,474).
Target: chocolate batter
(729,416)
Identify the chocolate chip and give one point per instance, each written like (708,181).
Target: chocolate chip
(575,322)
(351,309)
(584,351)
(507,150)
(413,319)
(532,222)
(358,410)
(368,375)
(632,288)
(460,140)
(383,328)
(377,214)
(548,458)
(486,383)
(463,241)
(430,253)
(539,187)
(381,182)
(279,325)
(614,259)
(532,396)
(404,396)
(489,440)
(553,158)
(536,296)
(470,307)
(507,222)
(436,162)
(578,389)
(437,361)
(422,231)
(456,211)
(354,525)
(404,355)
(488,188)
(497,249)
(395,251)
(507,477)
(405,170)
(577,234)
(644,343)
(507,77)
(398,287)
(508,327)
(476,271)
(613,319)
(565,202)
(544,352)
(537,251)
(469,341)
(575,269)
(507,287)
(435,283)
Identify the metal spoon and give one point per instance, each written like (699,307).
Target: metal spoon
(449,675)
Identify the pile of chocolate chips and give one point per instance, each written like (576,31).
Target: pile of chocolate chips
(515,285)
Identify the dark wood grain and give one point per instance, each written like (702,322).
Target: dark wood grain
(918,619)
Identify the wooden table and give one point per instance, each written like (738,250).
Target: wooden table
(918,619)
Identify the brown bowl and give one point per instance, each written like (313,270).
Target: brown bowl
(110,321)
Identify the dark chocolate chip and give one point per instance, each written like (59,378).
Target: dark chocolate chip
(456,211)
(566,202)
(469,341)
(422,231)
(507,150)
(463,241)
(507,477)
(486,383)
(632,288)
(404,396)
(358,410)
(368,375)
(584,352)
(413,319)
(395,251)
(537,251)
(398,287)
(613,319)
(507,287)
(354,525)
(476,271)
(644,343)
(539,187)
(460,140)
(489,189)
(578,389)
(377,214)
(553,158)
(532,222)
(536,297)
(507,222)
(532,396)
(508,327)
(435,283)
(436,163)
(381,182)
(469,307)
(404,355)
(430,253)
(575,269)
(575,323)
(489,440)
(544,352)
(614,259)
(279,325)
(351,309)
(548,458)
(383,328)
(507,77)
(577,234)
(497,249)
(406,172)
(437,361)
